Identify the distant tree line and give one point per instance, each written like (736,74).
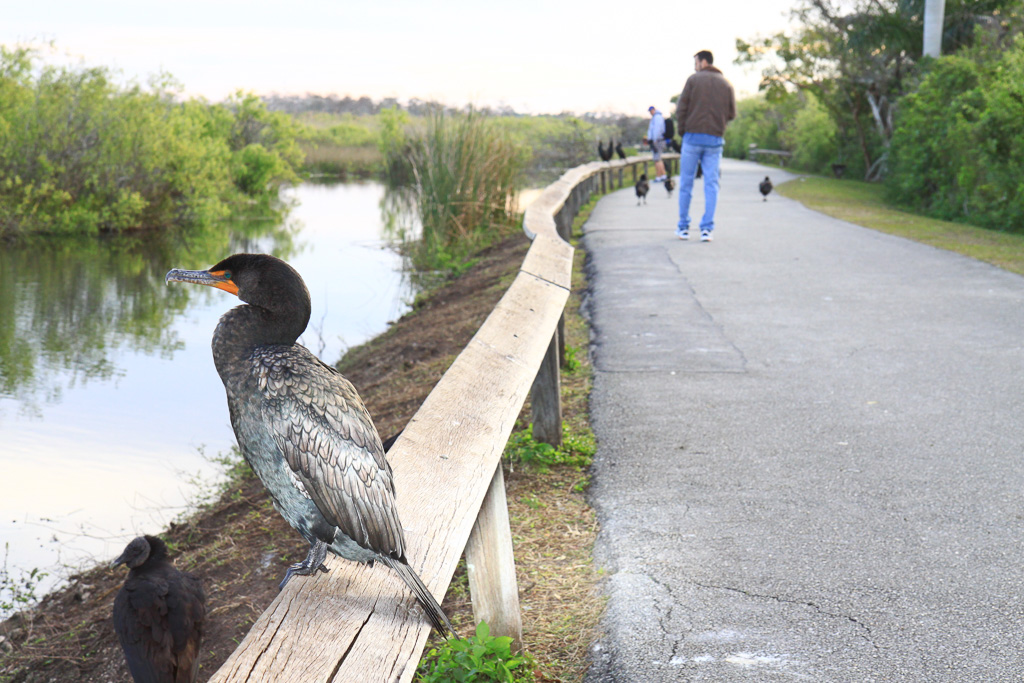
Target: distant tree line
(346,136)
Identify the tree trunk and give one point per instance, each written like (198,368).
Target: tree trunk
(934,15)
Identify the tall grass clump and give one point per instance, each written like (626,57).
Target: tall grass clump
(465,173)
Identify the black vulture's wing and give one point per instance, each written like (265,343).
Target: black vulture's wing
(140,619)
(186,614)
(329,441)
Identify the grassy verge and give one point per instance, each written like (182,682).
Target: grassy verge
(864,204)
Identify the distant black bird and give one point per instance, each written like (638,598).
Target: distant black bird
(700,171)
(158,615)
(618,150)
(301,425)
(765,187)
(670,185)
(642,186)
(674,145)
(605,154)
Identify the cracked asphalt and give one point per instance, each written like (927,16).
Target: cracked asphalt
(809,459)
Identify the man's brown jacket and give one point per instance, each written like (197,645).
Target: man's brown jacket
(707,103)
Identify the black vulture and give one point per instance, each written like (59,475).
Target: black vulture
(765,187)
(618,150)
(301,425)
(158,615)
(642,186)
(670,185)
(605,154)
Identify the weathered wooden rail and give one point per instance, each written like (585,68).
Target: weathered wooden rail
(361,624)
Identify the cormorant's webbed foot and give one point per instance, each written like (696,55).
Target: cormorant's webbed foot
(313,563)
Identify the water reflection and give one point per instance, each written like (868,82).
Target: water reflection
(108,394)
(69,306)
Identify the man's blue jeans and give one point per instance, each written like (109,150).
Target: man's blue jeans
(710,158)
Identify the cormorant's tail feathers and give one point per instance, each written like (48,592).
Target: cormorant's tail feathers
(426,599)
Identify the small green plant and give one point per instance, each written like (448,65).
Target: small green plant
(532,502)
(477,659)
(577,450)
(20,590)
(572,363)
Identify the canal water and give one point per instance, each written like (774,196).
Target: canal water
(111,412)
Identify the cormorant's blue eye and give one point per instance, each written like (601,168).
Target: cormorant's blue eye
(227,274)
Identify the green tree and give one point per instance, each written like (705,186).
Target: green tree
(860,56)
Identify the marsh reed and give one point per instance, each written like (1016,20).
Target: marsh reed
(465,173)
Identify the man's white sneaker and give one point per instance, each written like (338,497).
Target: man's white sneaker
(705,236)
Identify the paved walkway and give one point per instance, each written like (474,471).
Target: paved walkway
(810,448)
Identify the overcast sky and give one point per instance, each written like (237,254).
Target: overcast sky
(536,56)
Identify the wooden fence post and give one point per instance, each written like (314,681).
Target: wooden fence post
(603,183)
(546,398)
(561,341)
(632,167)
(491,567)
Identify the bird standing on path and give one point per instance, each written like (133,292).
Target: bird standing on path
(765,187)
(642,186)
(158,615)
(301,425)
(670,185)
(619,151)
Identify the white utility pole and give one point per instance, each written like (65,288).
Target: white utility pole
(934,13)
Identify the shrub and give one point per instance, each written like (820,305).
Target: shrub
(80,154)
(958,146)
(577,450)
(479,659)
(811,137)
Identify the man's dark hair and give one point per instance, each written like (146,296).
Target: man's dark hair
(706,56)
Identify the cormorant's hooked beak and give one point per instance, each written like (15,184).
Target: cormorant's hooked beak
(221,279)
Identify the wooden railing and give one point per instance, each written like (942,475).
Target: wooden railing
(361,624)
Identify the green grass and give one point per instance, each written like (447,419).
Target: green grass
(864,204)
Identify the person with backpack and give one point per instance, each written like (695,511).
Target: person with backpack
(656,139)
(670,136)
(705,107)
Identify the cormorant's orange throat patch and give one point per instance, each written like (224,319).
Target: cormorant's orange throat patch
(226,285)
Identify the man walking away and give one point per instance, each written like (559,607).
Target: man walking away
(706,106)
(656,138)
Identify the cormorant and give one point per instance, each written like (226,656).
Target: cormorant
(158,615)
(619,151)
(642,186)
(765,187)
(301,425)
